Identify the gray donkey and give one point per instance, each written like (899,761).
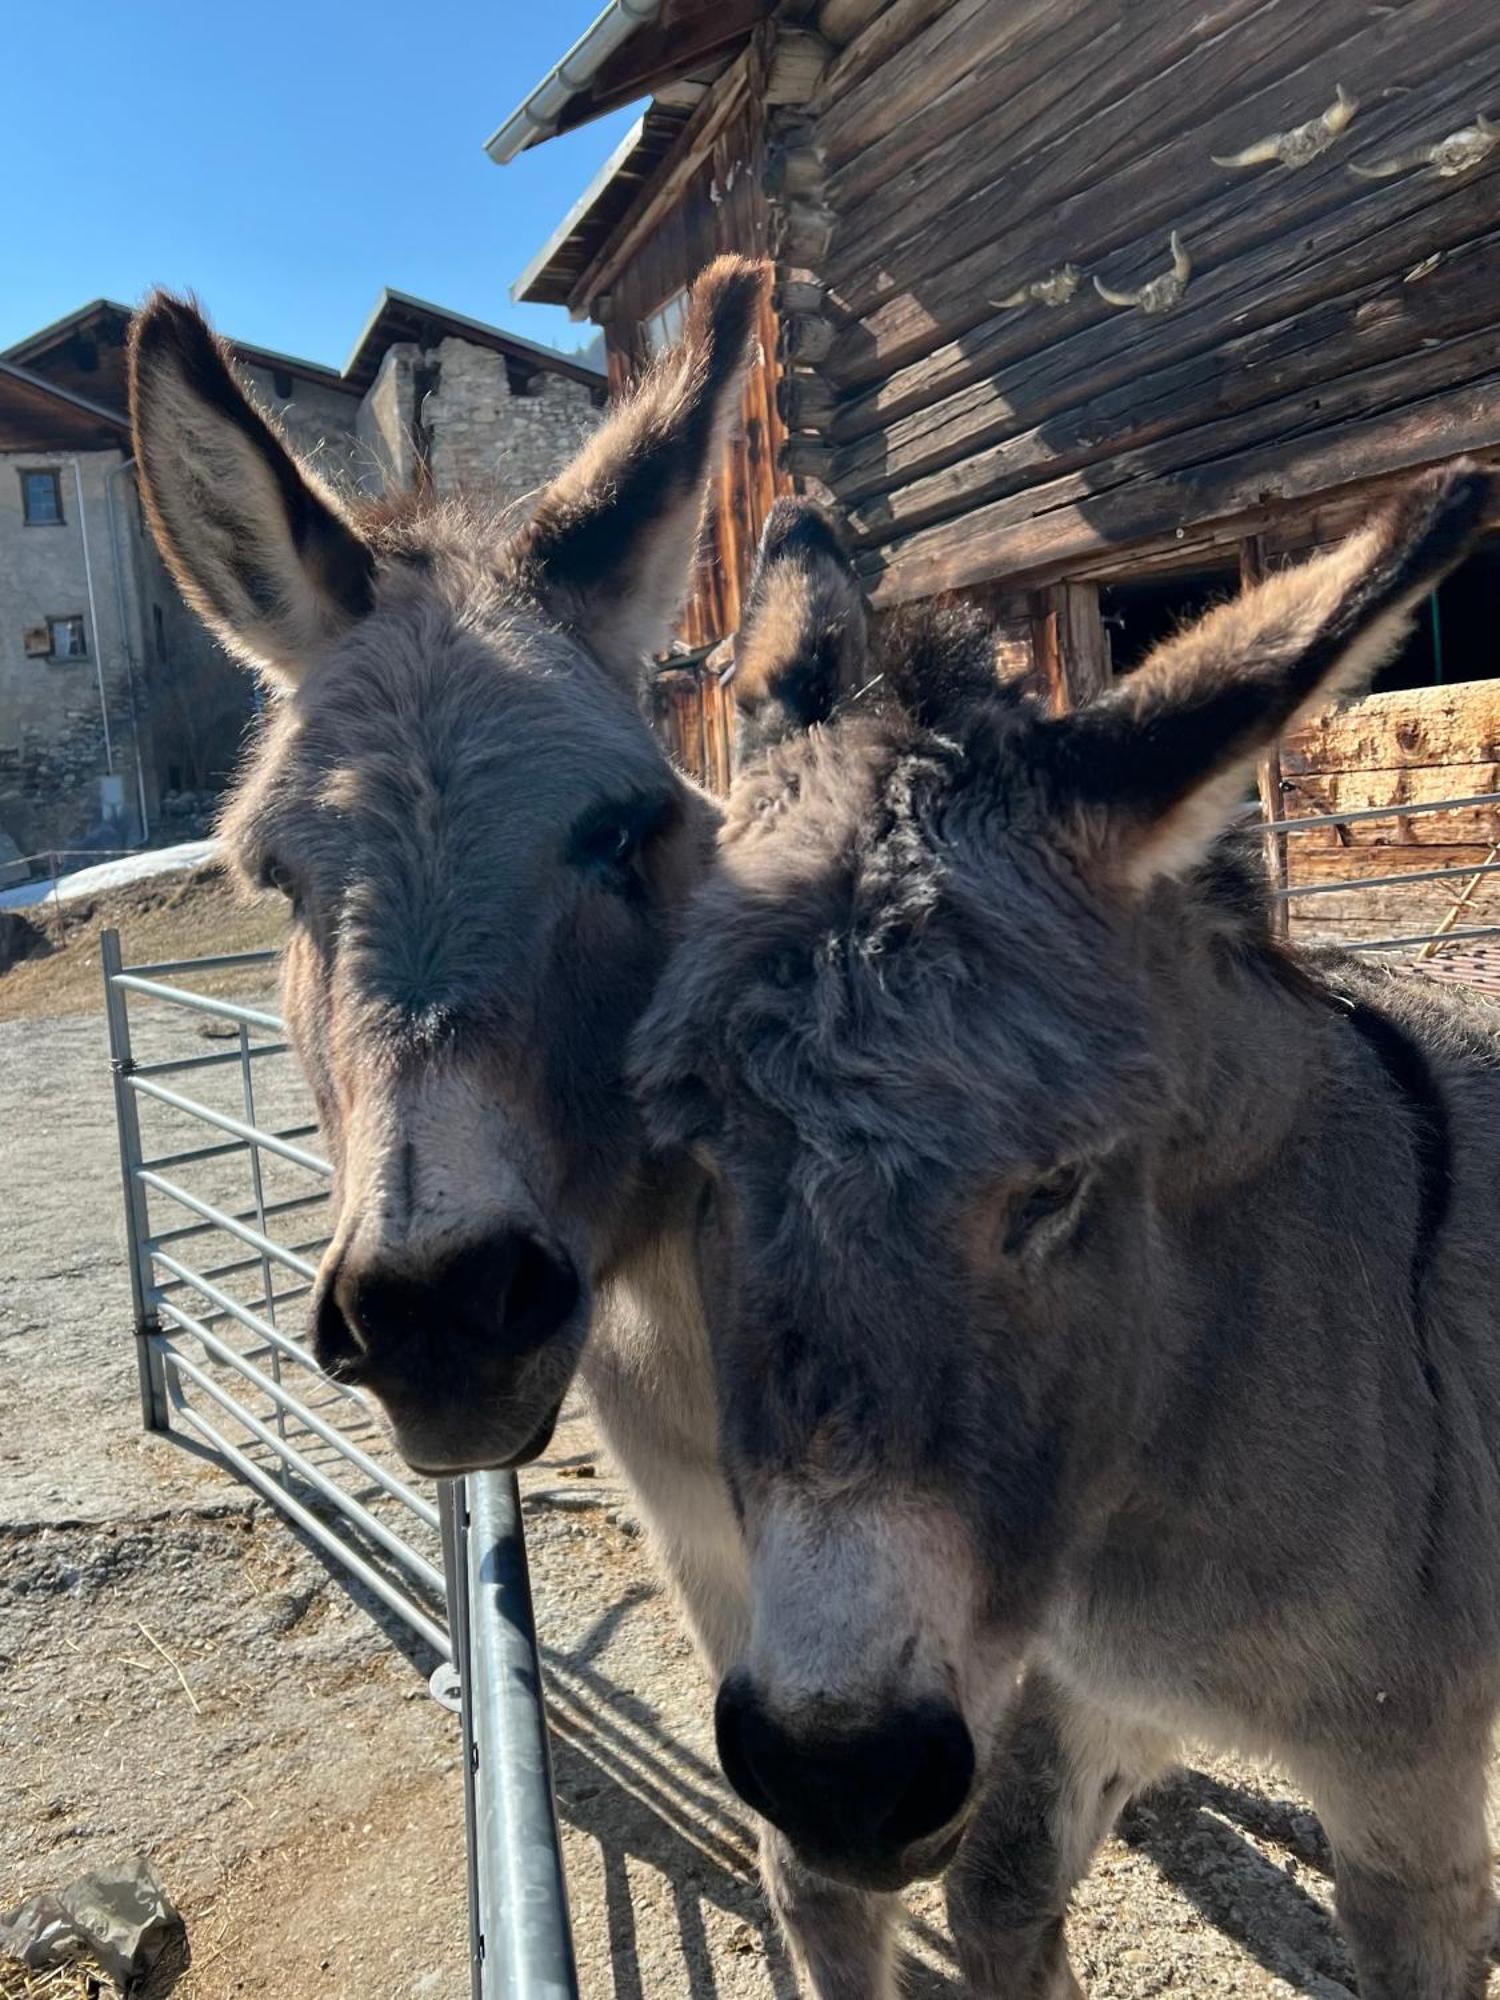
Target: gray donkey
(484,847)
(1103,1299)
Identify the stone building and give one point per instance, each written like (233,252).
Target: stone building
(118,711)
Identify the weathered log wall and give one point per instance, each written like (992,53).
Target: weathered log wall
(966,170)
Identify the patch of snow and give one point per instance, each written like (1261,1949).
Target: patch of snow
(105,875)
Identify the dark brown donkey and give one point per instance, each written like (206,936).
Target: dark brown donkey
(484,845)
(1106,1314)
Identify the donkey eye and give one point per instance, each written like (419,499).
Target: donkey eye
(1050,1196)
(607,842)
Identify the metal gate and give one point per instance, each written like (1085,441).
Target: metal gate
(224,1218)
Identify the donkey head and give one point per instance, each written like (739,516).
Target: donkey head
(481,841)
(908,1031)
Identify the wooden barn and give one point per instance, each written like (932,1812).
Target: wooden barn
(1091,306)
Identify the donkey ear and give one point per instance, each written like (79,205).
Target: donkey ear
(801,642)
(611,545)
(258,546)
(1158,765)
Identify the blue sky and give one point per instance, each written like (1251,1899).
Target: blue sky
(285,161)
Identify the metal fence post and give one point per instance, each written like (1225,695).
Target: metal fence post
(453,1513)
(149,1365)
(526,1948)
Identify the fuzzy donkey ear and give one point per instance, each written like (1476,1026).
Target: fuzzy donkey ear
(610,547)
(1157,766)
(258,546)
(801,641)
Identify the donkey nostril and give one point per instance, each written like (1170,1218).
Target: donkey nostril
(337,1345)
(936,1793)
(541,1296)
(731,1734)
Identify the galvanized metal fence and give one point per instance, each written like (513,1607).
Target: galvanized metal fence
(1470,879)
(225,1203)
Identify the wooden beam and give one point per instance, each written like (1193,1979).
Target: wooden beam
(839,21)
(1069,643)
(1268,770)
(1095,513)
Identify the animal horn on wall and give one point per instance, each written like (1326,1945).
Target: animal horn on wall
(1160,294)
(1458,154)
(1054,290)
(1302,143)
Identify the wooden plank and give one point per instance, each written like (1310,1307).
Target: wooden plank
(974,440)
(1420,726)
(1108,506)
(900,25)
(1034,216)
(1070,645)
(1353,791)
(839,21)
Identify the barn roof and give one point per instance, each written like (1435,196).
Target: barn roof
(630,51)
(38,415)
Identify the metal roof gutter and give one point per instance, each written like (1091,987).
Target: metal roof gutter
(535,118)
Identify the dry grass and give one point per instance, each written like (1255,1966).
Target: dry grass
(63,1982)
(174,916)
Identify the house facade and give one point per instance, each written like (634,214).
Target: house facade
(120,716)
(1091,309)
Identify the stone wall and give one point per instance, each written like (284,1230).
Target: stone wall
(455,404)
(53,789)
(321,422)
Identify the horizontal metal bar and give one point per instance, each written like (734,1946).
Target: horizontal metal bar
(200,1003)
(368,1524)
(192,1154)
(527,1949)
(217,1219)
(222,1122)
(1422,937)
(1412,811)
(1458,871)
(189,1229)
(248,1317)
(173,1064)
(226,961)
(279,1393)
(319,1531)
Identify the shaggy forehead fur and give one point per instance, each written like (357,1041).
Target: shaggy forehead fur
(875,880)
(422,781)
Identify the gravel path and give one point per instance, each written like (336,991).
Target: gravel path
(285,1767)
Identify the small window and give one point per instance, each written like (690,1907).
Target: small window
(282,383)
(664,325)
(69,640)
(41,499)
(159,626)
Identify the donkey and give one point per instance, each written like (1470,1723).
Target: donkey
(1102,1297)
(484,846)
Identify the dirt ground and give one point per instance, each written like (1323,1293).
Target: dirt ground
(181,1674)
